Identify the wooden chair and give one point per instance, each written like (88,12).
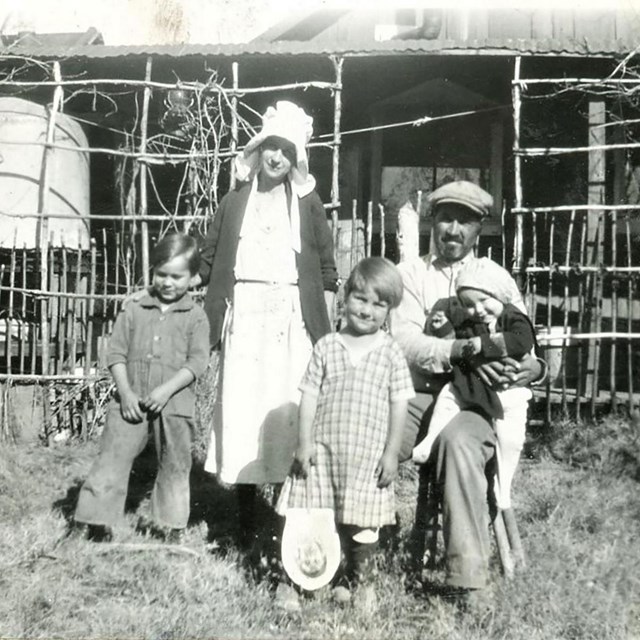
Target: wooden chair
(505,530)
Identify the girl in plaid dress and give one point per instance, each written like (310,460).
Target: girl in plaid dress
(352,413)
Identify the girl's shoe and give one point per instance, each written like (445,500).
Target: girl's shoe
(366,599)
(174,536)
(286,598)
(341,595)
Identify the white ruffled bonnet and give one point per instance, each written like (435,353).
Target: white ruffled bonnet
(286,120)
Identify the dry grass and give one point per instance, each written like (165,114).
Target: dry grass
(580,526)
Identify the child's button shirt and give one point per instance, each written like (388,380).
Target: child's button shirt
(155,344)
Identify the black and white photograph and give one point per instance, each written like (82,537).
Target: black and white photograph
(319,320)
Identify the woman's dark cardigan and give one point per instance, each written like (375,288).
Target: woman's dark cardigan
(315,262)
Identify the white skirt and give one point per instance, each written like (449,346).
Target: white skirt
(265,351)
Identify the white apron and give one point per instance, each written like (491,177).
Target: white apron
(265,351)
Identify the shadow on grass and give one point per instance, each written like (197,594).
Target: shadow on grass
(67,505)
(141,481)
(212,504)
(215,505)
(255,537)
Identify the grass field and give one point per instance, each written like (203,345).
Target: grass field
(578,510)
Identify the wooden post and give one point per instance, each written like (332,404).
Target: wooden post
(630,302)
(335,228)
(63,305)
(144,227)
(8,337)
(582,293)
(116,286)
(89,328)
(23,312)
(43,204)
(551,218)
(54,302)
(233,144)
(383,239)
(565,320)
(408,232)
(495,223)
(338,63)
(614,312)
(519,266)
(75,306)
(532,305)
(353,258)
(619,187)
(6,321)
(375,173)
(594,220)
(369,228)
(337,135)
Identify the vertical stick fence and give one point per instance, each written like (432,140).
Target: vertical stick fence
(59,298)
(68,296)
(577,256)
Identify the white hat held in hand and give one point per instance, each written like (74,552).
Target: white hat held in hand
(310,547)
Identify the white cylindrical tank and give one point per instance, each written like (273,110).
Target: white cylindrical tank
(23,131)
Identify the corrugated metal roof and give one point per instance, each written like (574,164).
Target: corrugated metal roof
(568,46)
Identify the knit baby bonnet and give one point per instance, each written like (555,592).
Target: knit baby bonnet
(486,275)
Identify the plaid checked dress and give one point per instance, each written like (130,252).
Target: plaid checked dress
(350,430)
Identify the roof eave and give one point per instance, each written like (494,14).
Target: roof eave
(488,47)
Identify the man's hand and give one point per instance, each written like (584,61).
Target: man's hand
(130,407)
(439,325)
(387,469)
(505,373)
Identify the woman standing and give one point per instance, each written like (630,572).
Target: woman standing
(269,265)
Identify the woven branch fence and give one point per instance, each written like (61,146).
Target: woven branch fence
(578,263)
(59,298)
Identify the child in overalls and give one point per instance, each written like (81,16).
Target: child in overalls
(494,328)
(352,414)
(159,346)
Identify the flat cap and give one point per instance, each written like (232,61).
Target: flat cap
(465,193)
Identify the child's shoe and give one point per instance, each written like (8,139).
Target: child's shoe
(78,531)
(341,595)
(174,536)
(366,599)
(286,598)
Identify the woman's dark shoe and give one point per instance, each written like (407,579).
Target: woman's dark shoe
(99,533)
(174,536)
